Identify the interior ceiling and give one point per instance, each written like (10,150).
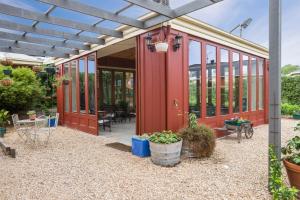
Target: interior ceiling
(120,49)
(126,54)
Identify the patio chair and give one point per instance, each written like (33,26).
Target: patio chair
(106,120)
(21,129)
(48,130)
(41,127)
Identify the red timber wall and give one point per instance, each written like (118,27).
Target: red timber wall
(151,87)
(163,85)
(77,118)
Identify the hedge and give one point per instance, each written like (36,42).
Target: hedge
(290,90)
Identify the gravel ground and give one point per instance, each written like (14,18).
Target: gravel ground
(76,165)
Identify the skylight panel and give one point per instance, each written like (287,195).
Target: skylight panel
(134,12)
(74,16)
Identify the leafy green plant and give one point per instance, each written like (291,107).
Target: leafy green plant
(193,122)
(277,187)
(289,109)
(4,115)
(291,150)
(26,92)
(31,112)
(164,137)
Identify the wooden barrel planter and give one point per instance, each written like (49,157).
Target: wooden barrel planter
(167,155)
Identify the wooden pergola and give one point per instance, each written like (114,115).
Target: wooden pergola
(25,44)
(15,43)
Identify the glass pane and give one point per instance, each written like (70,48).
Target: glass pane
(224,82)
(195,78)
(106,87)
(118,87)
(91,86)
(245,83)
(211,59)
(66,89)
(261,83)
(253,84)
(82,84)
(130,90)
(74,82)
(236,82)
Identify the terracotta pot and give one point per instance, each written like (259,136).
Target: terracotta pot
(32,117)
(293,172)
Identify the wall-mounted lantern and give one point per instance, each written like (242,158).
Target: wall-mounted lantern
(149,43)
(177,42)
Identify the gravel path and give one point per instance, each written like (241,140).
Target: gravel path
(76,165)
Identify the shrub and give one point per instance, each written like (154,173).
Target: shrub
(198,140)
(289,109)
(290,90)
(24,93)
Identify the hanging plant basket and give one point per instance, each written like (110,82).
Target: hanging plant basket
(41,74)
(37,68)
(161,47)
(6,82)
(7,72)
(50,70)
(65,82)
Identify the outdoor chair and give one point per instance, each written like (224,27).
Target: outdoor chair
(106,120)
(21,129)
(47,129)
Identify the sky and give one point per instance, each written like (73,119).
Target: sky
(224,15)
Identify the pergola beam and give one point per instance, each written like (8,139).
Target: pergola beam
(27,14)
(68,36)
(155,7)
(33,52)
(93,11)
(193,6)
(182,10)
(43,41)
(24,45)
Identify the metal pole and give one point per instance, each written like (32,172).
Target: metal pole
(275,75)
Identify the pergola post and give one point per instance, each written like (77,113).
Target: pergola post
(275,75)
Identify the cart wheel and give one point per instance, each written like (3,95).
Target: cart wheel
(249,132)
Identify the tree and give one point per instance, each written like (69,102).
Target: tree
(287,69)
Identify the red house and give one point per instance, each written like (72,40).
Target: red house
(205,70)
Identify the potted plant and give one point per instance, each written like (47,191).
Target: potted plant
(165,148)
(161,46)
(198,140)
(7,72)
(50,70)
(4,115)
(37,68)
(291,159)
(296,114)
(62,80)
(31,114)
(6,81)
